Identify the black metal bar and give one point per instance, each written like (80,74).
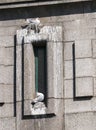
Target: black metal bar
(74,71)
(22,104)
(15,76)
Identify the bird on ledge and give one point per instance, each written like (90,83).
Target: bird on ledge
(39,98)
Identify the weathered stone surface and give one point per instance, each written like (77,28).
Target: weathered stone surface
(82,49)
(84,86)
(67,18)
(47,33)
(94,86)
(94,48)
(84,67)
(19,72)
(6,93)
(79,34)
(8,31)
(9,54)
(28,124)
(58,70)
(68,88)
(80,23)
(6,41)
(55,70)
(54,104)
(68,69)
(7,110)
(8,124)
(35,38)
(68,50)
(29,72)
(27,107)
(72,106)
(81,121)
(7,75)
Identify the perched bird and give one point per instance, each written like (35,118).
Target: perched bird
(34,21)
(33,24)
(39,98)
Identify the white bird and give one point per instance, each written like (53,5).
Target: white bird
(33,24)
(33,21)
(39,98)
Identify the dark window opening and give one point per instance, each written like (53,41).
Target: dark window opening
(41,70)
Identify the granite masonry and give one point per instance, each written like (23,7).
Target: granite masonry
(69,33)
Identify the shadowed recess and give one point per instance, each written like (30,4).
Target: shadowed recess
(48,10)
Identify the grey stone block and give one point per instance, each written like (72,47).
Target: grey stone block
(7,56)
(68,69)
(68,51)
(80,23)
(72,106)
(29,72)
(82,49)
(10,23)
(84,67)
(55,70)
(6,41)
(68,89)
(79,34)
(27,107)
(94,48)
(7,110)
(55,106)
(84,86)
(8,124)
(94,86)
(19,72)
(94,63)
(80,121)
(8,31)
(66,18)
(7,75)
(23,124)
(93,104)
(6,93)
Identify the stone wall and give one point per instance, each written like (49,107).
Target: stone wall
(78,23)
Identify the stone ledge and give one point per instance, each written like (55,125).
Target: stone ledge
(23,3)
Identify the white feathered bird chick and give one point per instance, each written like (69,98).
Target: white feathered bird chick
(39,98)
